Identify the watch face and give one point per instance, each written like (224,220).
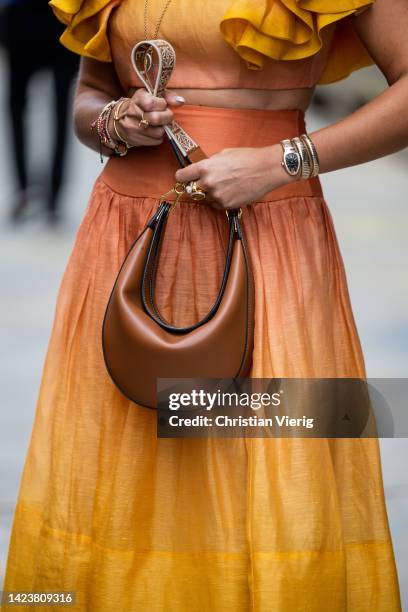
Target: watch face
(292,162)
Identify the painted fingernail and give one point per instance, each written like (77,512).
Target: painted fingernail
(180,99)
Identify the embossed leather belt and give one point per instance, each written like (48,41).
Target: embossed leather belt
(154,62)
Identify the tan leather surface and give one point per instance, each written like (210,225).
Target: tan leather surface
(137,350)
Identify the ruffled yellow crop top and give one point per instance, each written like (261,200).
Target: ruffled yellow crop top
(264,44)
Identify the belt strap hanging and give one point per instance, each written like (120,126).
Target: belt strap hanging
(154,62)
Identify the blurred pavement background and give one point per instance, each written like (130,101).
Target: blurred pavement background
(369,207)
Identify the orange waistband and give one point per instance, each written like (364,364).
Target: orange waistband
(149,171)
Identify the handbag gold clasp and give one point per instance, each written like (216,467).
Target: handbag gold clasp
(179,190)
(227,212)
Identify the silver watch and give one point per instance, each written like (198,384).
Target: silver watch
(291,159)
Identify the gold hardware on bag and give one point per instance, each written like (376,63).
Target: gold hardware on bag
(179,190)
(227,212)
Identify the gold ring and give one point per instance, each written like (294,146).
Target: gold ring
(143,123)
(195,191)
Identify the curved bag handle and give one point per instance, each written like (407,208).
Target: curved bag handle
(151,263)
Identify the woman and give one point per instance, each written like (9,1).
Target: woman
(132,522)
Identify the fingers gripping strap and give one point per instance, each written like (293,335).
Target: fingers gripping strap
(154,62)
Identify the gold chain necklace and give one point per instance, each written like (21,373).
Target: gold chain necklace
(156,32)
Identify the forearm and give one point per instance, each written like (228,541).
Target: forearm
(378,128)
(237,177)
(97,85)
(87,107)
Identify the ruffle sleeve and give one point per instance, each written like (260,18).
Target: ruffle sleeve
(296,29)
(86,21)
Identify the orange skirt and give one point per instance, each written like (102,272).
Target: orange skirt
(131,522)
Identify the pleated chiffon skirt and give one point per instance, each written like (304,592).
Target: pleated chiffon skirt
(132,522)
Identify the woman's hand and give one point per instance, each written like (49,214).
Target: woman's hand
(237,177)
(97,85)
(155,110)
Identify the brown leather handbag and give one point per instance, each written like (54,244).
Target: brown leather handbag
(139,345)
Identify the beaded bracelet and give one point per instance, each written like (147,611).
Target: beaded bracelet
(100,124)
(116,117)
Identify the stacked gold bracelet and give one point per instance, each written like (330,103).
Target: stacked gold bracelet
(119,145)
(300,157)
